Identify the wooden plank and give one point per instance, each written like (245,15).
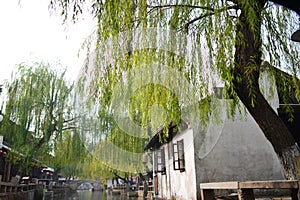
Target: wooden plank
(269,184)
(7,184)
(245,189)
(220,185)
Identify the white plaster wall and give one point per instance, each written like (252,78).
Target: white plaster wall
(181,185)
(236,149)
(267,85)
(241,153)
(109,183)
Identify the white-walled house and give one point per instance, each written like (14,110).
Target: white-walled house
(174,171)
(232,149)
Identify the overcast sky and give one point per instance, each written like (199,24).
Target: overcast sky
(29,33)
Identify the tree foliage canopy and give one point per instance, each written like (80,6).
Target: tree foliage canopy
(38,109)
(226,39)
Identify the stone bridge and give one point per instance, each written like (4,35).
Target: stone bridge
(74,184)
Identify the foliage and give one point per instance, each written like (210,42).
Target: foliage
(38,110)
(213,22)
(239,34)
(69,153)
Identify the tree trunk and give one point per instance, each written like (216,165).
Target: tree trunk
(246,84)
(7,169)
(55,174)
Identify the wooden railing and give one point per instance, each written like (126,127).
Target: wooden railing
(245,189)
(119,187)
(7,187)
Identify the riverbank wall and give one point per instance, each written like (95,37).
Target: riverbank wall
(31,191)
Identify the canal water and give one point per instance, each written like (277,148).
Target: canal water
(95,195)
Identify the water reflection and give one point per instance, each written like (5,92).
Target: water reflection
(96,195)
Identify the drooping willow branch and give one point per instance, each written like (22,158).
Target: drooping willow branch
(211,11)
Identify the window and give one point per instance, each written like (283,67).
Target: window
(178,154)
(175,156)
(181,160)
(160,163)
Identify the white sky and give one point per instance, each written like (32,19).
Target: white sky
(28,32)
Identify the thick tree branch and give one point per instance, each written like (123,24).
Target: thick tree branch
(181,5)
(40,143)
(208,14)
(69,128)
(70,120)
(211,10)
(186,26)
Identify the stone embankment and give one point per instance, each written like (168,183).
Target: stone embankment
(13,191)
(31,191)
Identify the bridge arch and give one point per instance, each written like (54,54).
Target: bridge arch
(96,184)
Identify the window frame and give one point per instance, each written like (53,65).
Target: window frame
(160,161)
(178,156)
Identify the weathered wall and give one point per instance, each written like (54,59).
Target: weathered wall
(181,185)
(240,152)
(26,195)
(230,149)
(235,148)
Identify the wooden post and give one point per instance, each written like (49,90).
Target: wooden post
(6,173)
(297,157)
(208,194)
(294,194)
(245,194)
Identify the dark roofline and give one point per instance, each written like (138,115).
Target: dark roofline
(294,125)
(159,138)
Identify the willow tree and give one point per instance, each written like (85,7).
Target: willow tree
(69,154)
(38,109)
(239,34)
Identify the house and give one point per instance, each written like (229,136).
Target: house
(228,149)
(174,173)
